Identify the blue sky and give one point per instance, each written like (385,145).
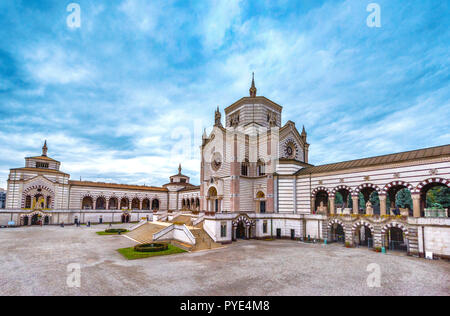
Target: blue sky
(115,97)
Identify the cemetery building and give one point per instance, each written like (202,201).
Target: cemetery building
(256,181)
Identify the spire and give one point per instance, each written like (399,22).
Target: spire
(44,149)
(217,117)
(253,87)
(304,132)
(179,169)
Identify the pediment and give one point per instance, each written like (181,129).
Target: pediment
(38,181)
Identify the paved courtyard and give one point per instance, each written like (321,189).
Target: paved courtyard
(34,262)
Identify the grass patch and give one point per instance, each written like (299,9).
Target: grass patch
(103,233)
(131,254)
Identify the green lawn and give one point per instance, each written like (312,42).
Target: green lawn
(103,233)
(130,254)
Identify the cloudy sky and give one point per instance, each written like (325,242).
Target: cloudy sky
(118,96)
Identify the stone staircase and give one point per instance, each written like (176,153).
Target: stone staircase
(144,233)
(182,219)
(202,240)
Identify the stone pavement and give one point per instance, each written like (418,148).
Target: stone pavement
(34,261)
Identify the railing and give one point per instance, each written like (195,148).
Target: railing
(142,222)
(172,228)
(198,220)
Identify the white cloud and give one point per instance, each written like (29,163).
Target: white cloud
(220,18)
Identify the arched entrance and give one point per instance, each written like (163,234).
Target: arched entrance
(395,237)
(113,203)
(336,232)
(241,231)
(363,235)
(35,219)
(243,227)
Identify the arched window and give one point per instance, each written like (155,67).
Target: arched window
(28,202)
(100,204)
(146,204)
(244,167)
(155,205)
(87,203)
(124,204)
(135,204)
(261,168)
(49,202)
(113,203)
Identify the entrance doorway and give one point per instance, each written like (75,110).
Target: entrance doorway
(279,233)
(363,237)
(394,239)
(25,221)
(240,231)
(125,218)
(337,233)
(35,220)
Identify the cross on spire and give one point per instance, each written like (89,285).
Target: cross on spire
(44,149)
(179,169)
(253,89)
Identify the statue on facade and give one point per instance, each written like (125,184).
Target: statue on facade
(272,119)
(369,208)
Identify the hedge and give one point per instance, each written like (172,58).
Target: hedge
(151,247)
(116,230)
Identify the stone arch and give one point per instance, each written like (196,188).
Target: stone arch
(156,204)
(136,203)
(335,237)
(340,187)
(422,184)
(335,221)
(115,204)
(87,201)
(316,190)
(124,203)
(386,241)
(407,185)
(242,218)
(394,225)
(243,227)
(146,204)
(362,223)
(98,202)
(367,186)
